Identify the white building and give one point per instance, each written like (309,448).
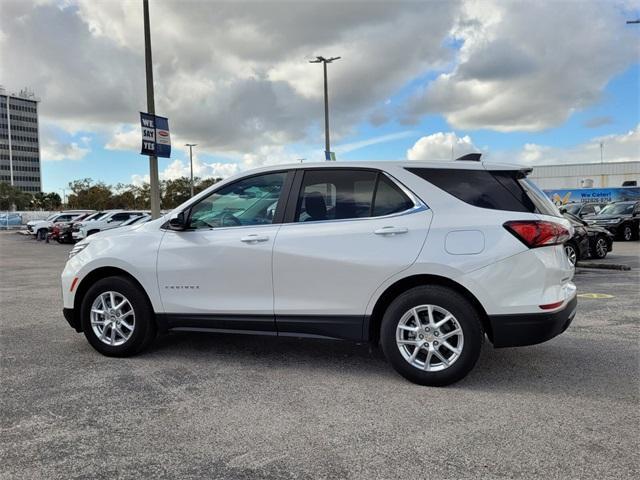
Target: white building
(586,175)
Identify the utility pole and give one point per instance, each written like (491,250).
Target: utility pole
(191,145)
(64,195)
(327,144)
(601,152)
(151,109)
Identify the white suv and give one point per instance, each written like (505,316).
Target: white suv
(425,258)
(110,219)
(40,228)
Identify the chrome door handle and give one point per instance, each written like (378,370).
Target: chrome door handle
(391,230)
(254,238)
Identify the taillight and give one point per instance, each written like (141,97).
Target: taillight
(538,233)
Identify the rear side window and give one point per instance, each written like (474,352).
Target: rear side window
(328,194)
(496,190)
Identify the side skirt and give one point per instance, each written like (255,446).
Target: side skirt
(341,327)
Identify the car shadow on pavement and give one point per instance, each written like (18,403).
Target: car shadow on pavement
(569,365)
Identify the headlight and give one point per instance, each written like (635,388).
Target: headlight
(78,248)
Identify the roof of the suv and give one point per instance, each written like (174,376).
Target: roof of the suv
(463,165)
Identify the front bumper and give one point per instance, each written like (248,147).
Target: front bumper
(72,319)
(518,330)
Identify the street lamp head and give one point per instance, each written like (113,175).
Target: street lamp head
(190,144)
(320,59)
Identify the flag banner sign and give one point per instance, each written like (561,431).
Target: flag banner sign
(156,139)
(331,156)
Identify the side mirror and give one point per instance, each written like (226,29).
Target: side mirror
(179,222)
(563,210)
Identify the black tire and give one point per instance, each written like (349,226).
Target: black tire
(626,232)
(144,330)
(91,232)
(466,315)
(41,234)
(598,252)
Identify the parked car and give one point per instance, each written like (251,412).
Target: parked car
(110,219)
(40,228)
(620,218)
(61,231)
(10,219)
(580,209)
(587,241)
(137,220)
(424,258)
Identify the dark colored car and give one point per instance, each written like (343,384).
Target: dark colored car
(587,241)
(61,232)
(580,209)
(620,218)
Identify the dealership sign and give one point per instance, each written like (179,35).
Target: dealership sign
(593,195)
(156,139)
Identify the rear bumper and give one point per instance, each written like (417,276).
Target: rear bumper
(518,330)
(72,319)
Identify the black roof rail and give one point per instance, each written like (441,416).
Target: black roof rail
(470,157)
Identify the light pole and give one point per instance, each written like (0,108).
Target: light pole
(191,145)
(151,109)
(327,145)
(64,195)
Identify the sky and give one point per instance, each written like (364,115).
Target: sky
(525,82)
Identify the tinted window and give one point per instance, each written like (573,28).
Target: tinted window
(389,198)
(251,201)
(497,190)
(588,209)
(335,194)
(120,217)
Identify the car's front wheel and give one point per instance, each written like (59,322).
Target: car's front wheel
(600,248)
(117,318)
(572,252)
(431,335)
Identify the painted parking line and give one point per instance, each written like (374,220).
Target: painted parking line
(595,295)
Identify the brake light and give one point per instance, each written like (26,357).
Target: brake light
(551,306)
(538,233)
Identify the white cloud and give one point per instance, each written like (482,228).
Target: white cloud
(125,138)
(617,148)
(54,151)
(390,137)
(526,66)
(441,146)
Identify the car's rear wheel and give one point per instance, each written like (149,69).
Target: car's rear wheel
(432,335)
(91,232)
(117,318)
(572,252)
(601,247)
(42,234)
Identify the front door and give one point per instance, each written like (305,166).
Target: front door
(352,229)
(218,273)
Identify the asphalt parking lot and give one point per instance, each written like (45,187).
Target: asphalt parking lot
(221,406)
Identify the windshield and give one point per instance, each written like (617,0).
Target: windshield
(103,216)
(617,209)
(51,217)
(93,216)
(573,209)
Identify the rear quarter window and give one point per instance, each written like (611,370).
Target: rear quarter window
(496,190)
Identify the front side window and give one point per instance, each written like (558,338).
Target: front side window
(251,201)
(341,194)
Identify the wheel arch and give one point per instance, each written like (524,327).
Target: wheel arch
(98,274)
(372,327)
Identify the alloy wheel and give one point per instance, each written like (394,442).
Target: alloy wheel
(571,253)
(601,248)
(627,233)
(112,318)
(429,338)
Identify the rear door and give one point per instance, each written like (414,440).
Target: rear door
(346,231)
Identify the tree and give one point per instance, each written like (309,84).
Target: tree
(11,197)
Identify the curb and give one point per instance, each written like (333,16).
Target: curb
(603,266)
